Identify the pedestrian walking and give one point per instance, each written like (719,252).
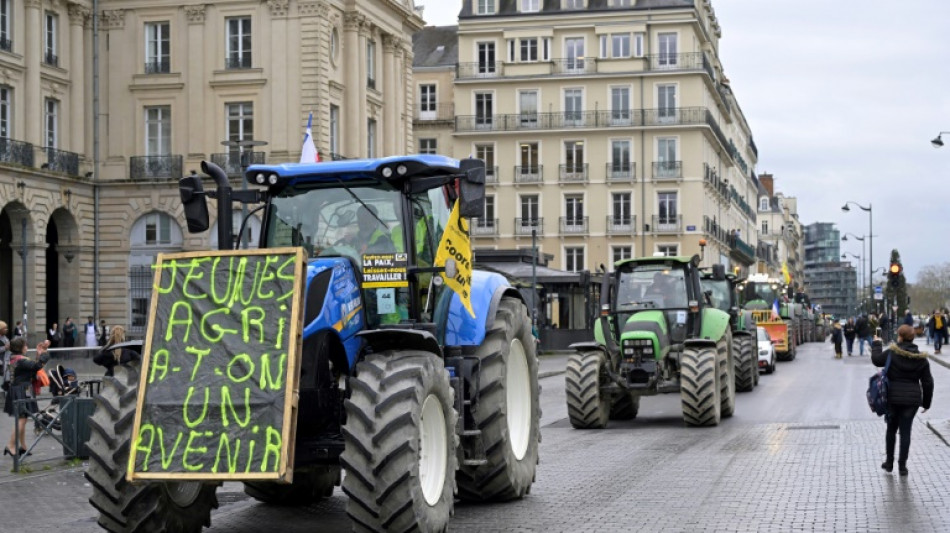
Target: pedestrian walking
(19,330)
(909,319)
(937,325)
(849,333)
(910,386)
(69,333)
(862,329)
(55,335)
(91,332)
(946,326)
(836,336)
(109,357)
(21,388)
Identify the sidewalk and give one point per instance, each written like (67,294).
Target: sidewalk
(937,418)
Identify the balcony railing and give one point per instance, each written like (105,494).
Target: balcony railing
(467,71)
(586,65)
(621,224)
(51,59)
(667,170)
(741,249)
(621,172)
(714,230)
(435,113)
(237,62)
(491,174)
(6,44)
(144,167)
(534,174)
(158,67)
(633,118)
(668,225)
(523,226)
(574,225)
(484,226)
(16,152)
(231,162)
(62,161)
(687,61)
(576,173)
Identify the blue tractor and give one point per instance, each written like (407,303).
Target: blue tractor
(418,401)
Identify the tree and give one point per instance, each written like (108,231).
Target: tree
(932,289)
(896,293)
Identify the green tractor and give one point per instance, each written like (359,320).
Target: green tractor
(656,335)
(722,289)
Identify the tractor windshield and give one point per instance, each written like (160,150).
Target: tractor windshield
(764,291)
(661,286)
(719,290)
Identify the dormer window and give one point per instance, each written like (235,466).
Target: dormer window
(485,7)
(530,6)
(764,203)
(573,4)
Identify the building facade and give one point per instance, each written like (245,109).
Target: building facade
(781,247)
(608,129)
(829,281)
(178,84)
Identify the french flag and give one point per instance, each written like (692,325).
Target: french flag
(775,313)
(309,154)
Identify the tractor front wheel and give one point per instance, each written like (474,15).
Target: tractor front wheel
(625,407)
(699,386)
(746,367)
(587,406)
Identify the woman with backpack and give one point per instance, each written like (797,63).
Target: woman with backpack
(909,386)
(23,372)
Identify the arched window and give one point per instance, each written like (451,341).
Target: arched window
(252,231)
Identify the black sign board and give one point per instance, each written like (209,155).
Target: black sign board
(220,367)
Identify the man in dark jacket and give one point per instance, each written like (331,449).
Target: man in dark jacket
(849,334)
(863,330)
(909,318)
(910,386)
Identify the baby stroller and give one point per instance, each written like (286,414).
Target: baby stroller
(62,382)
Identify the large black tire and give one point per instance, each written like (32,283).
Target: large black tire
(746,363)
(508,411)
(400,465)
(699,386)
(308,486)
(625,407)
(727,376)
(122,506)
(587,407)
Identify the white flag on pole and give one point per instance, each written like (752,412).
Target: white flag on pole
(309,154)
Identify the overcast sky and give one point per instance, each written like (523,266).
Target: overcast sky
(843,98)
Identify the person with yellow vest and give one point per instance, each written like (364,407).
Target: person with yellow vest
(370,237)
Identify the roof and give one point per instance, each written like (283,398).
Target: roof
(356,168)
(658,259)
(510,7)
(435,46)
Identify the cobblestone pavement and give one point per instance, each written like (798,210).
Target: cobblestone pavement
(802,453)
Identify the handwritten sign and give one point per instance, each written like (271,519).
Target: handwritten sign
(219,371)
(385,270)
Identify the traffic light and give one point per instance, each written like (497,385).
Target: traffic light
(894,273)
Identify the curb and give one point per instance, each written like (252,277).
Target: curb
(550,373)
(936,431)
(939,361)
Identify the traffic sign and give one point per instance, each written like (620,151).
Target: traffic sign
(878,292)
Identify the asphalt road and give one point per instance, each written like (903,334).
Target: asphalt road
(802,453)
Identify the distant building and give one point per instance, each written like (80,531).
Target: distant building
(780,232)
(829,281)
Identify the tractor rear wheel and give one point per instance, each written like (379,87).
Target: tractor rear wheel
(727,376)
(400,443)
(746,367)
(508,411)
(149,506)
(625,407)
(308,487)
(587,407)
(699,386)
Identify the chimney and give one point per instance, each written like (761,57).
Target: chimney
(767,182)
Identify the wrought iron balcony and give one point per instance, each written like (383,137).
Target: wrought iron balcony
(467,71)
(532,174)
(714,230)
(621,172)
(687,61)
(484,226)
(523,226)
(237,61)
(158,67)
(743,251)
(573,173)
(574,225)
(62,161)
(633,118)
(231,162)
(6,44)
(491,174)
(621,224)
(16,152)
(667,170)
(669,225)
(145,167)
(587,65)
(51,59)
(435,113)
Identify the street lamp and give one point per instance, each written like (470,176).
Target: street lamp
(863,256)
(870,235)
(937,142)
(859,258)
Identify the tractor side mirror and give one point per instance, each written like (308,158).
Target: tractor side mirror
(195,203)
(472,188)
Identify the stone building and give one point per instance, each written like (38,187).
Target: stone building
(178,84)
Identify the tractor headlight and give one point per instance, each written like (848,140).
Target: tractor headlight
(260,178)
(387,172)
(273,179)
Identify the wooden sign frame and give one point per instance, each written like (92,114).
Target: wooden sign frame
(284,473)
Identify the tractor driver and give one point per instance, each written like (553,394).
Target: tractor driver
(372,236)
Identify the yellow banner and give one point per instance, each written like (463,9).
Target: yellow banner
(456,245)
(785,274)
